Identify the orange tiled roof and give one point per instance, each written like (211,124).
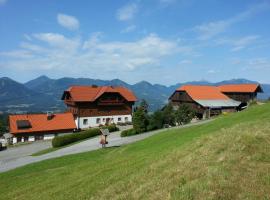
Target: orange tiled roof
(239,88)
(90,93)
(40,123)
(201,92)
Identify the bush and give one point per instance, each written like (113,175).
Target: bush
(121,123)
(60,141)
(128,132)
(184,114)
(129,123)
(111,128)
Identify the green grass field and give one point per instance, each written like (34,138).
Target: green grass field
(228,158)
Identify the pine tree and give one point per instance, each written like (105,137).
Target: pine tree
(140,120)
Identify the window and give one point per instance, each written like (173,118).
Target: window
(126,119)
(23,124)
(85,121)
(98,120)
(119,119)
(103,119)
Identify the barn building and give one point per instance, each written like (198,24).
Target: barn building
(206,101)
(93,106)
(31,127)
(244,93)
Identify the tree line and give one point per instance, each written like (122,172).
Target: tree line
(168,116)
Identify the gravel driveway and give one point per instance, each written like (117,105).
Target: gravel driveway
(20,156)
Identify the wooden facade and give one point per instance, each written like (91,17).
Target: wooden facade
(243,97)
(108,104)
(182,98)
(244,93)
(93,106)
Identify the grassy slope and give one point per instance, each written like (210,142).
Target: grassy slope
(228,158)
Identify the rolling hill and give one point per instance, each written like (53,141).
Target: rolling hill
(227,158)
(16,97)
(44,94)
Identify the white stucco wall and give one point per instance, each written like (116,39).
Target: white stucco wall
(31,138)
(14,140)
(48,136)
(92,121)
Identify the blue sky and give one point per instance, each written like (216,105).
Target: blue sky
(160,41)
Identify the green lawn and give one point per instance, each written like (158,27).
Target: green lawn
(228,158)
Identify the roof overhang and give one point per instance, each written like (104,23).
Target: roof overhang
(218,103)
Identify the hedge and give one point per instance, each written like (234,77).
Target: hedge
(60,141)
(128,132)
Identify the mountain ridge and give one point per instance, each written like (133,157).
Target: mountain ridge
(44,94)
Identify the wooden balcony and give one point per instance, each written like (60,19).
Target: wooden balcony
(111,102)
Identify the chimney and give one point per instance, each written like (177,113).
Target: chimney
(49,115)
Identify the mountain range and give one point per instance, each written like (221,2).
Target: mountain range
(44,94)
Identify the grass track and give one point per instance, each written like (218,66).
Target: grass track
(228,158)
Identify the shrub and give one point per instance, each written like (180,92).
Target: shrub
(129,123)
(184,114)
(128,132)
(63,140)
(121,123)
(111,128)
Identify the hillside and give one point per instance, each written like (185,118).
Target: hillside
(15,97)
(227,158)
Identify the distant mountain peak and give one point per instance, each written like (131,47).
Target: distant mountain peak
(118,82)
(143,83)
(235,81)
(37,81)
(42,77)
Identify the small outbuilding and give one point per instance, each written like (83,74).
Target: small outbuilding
(31,127)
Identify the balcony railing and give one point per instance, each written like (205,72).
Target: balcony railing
(111,102)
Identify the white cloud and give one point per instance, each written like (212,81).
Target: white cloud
(2,2)
(68,21)
(185,62)
(239,43)
(72,56)
(129,29)
(127,12)
(209,30)
(58,41)
(259,63)
(211,71)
